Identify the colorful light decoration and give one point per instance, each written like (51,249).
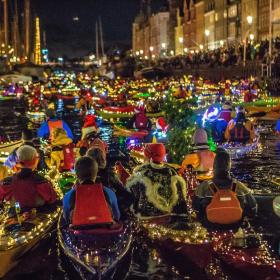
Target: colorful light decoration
(37,52)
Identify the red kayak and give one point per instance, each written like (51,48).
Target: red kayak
(254,263)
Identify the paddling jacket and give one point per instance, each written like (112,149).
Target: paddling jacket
(69,202)
(201,161)
(27,188)
(243,131)
(203,196)
(45,132)
(157,190)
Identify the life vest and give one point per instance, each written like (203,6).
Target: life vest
(91,207)
(141,121)
(69,157)
(225,115)
(224,208)
(239,133)
(206,159)
(53,125)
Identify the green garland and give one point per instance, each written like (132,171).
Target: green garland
(181,119)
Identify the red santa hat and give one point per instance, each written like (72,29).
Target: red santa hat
(89,126)
(161,124)
(155,151)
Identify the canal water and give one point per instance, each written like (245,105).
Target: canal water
(47,261)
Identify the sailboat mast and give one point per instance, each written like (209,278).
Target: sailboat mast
(96,41)
(101,37)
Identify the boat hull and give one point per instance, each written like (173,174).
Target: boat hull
(95,252)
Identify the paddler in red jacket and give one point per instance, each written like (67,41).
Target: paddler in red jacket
(26,187)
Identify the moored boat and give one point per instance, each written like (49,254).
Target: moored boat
(96,252)
(20,234)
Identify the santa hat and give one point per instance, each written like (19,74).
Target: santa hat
(161,124)
(99,144)
(89,126)
(155,151)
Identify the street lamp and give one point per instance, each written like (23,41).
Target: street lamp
(185,50)
(141,52)
(201,47)
(181,41)
(251,36)
(207,33)
(249,21)
(163,45)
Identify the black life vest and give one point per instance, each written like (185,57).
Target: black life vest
(239,133)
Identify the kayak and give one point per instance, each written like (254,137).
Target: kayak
(191,244)
(133,133)
(8,147)
(238,150)
(105,114)
(251,261)
(95,253)
(16,238)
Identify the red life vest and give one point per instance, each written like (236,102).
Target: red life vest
(69,157)
(141,121)
(206,158)
(53,125)
(91,207)
(225,115)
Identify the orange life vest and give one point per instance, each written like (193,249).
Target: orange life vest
(224,208)
(91,207)
(53,125)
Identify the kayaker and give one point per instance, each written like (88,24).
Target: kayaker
(62,154)
(157,188)
(240,129)
(27,187)
(225,113)
(223,200)
(107,177)
(47,128)
(90,136)
(89,199)
(140,120)
(202,159)
(27,137)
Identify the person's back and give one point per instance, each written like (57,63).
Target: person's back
(240,129)
(62,154)
(202,159)
(157,188)
(89,199)
(222,199)
(48,127)
(27,187)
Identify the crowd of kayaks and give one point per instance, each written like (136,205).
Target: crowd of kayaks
(97,252)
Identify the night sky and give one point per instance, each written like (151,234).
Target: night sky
(66,36)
